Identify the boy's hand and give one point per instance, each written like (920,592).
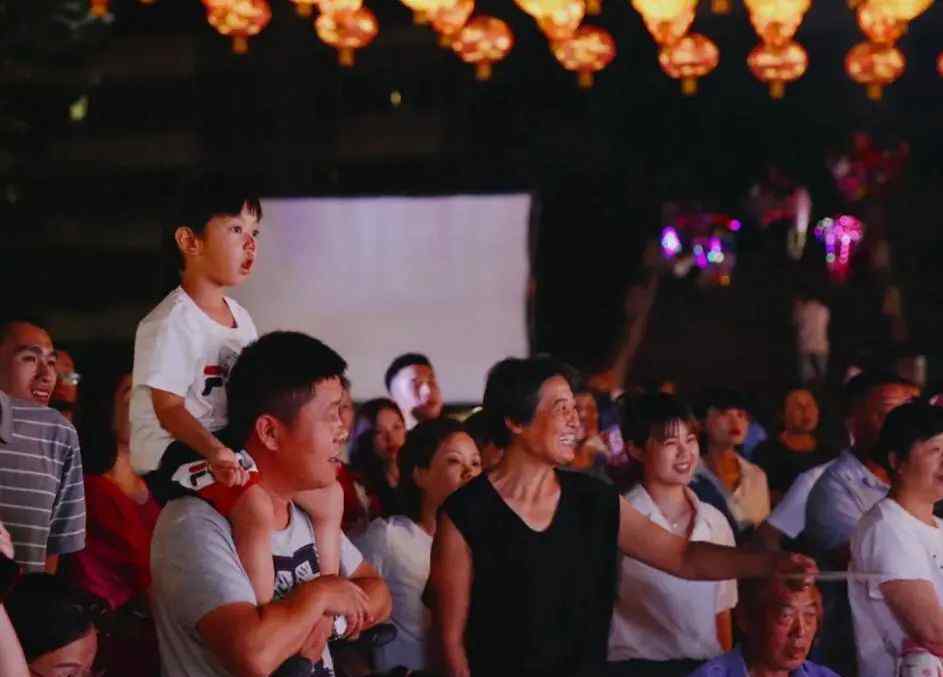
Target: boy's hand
(226,469)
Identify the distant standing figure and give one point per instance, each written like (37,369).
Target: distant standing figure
(811,317)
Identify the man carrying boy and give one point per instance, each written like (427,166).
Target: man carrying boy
(285,394)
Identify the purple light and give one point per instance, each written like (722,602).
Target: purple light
(735,225)
(670,242)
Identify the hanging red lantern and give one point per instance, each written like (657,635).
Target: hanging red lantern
(239,19)
(347,32)
(423,10)
(903,10)
(483,41)
(448,22)
(874,66)
(541,8)
(880,27)
(587,51)
(305,8)
(336,6)
(562,22)
(690,58)
(778,65)
(99,8)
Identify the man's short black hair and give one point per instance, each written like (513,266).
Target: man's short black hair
(513,391)
(860,387)
(49,613)
(202,197)
(721,399)
(277,375)
(401,362)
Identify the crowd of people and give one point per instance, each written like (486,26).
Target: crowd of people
(238,514)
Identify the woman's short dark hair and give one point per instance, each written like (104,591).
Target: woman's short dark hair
(48,613)
(904,427)
(277,375)
(421,444)
(653,414)
(513,391)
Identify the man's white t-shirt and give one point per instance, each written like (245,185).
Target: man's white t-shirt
(400,550)
(660,617)
(897,546)
(195,569)
(789,515)
(181,349)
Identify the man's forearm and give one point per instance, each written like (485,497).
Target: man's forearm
(709,562)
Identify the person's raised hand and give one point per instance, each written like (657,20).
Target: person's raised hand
(313,647)
(343,598)
(225,467)
(798,570)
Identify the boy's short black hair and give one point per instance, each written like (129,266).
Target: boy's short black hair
(513,391)
(653,414)
(277,375)
(421,444)
(860,387)
(721,399)
(401,362)
(904,427)
(202,197)
(49,613)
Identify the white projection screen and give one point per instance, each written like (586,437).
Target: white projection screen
(378,276)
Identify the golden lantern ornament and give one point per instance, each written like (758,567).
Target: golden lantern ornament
(778,65)
(239,20)
(903,10)
(776,21)
(880,26)
(448,22)
(538,9)
(563,22)
(690,58)
(663,10)
(423,10)
(337,6)
(347,32)
(587,51)
(874,66)
(483,41)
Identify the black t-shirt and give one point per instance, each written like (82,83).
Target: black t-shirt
(783,465)
(541,602)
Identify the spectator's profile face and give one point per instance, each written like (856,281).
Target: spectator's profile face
(122,412)
(670,455)
(726,427)
(66,393)
(453,465)
(416,391)
(553,432)
(347,412)
(72,660)
(227,248)
(920,474)
(789,623)
(588,412)
(28,364)
(389,434)
(310,446)
(869,418)
(800,412)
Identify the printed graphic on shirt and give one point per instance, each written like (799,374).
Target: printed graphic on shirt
(216,375)
(289,572)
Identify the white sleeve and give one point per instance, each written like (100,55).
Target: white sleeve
(886,549)
(166,355)
(722,534)
(789,515)
(351,558)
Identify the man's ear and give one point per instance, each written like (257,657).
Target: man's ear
(513,425)
(268,430)
(187,241)
(894,460)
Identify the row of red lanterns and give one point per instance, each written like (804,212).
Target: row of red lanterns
(586,49)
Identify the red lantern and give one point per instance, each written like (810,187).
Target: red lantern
(880,26)
(588,51)
(347,31)
(875,66)
(778,65)
(688,59)
(448,22)
(238,19)
(484,41)
(562,23)
(335,6)
(99,8)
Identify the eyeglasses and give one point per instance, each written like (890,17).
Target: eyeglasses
(71,378)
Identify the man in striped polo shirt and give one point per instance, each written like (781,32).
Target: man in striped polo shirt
(42,499)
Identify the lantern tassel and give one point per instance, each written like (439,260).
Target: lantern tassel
(345,55)
(720,6)
(777,89)
(875,92)
(99,9)
(304,9)
(585,79)
(689,86)
(240,45)
(483,71)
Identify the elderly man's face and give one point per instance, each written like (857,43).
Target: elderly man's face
(789,623)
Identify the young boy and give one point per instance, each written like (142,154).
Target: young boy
(183,351)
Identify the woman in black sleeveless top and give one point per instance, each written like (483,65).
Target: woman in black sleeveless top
(523,574)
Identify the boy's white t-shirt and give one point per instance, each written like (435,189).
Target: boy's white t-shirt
(660,617)
(400,550)
(181,349)
(891,542)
